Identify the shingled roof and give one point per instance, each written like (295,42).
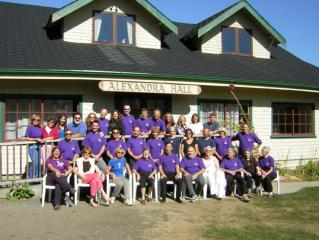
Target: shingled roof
(24,45)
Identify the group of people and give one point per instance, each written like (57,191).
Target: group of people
(189,155)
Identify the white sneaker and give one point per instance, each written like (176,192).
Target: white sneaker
(194,198)
(112,201)
(128,202)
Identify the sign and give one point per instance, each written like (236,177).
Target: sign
(147,87)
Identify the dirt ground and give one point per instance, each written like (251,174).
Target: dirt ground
(27,220)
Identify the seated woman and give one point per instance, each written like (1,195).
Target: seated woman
(193,168)
(145,170)
(116,170)
(214,177)
(233,167)
(268,171)
(251,172)
(87,171)
(58,170)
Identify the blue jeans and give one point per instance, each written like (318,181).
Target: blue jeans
(35,163)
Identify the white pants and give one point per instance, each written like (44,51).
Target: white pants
(216,182)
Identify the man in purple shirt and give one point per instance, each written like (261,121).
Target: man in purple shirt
(114,143)
(135,146)
(97,143)
(127,120)
(233,167)
(193,168)
(223,143)
(246,140)
(103,121)
(168,166)
(69,148)
(144,122)
(157,121)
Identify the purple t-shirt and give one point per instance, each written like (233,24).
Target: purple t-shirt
(128,122)
(231,164)
(145,124)
(222,145)
(136,145)
(113,144)
(33,132)
(61,165)
(160,124)
(246,141)
(156,146)
(94,141)
(192,165)
(266,163)
(68,149)
(143,165)
(169,162)
(104,125)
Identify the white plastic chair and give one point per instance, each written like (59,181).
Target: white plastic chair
(77,186)
(136,184)
(110,184)
(277,179)
(48,187)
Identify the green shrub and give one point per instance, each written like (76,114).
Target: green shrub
(20,192)
(305,171)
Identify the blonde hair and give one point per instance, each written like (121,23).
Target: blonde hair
(87,119)
(33,117)
(180,119)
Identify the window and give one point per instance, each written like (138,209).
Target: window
(19,110)
(292,119)
(228,113)
(237,41)
(114,28)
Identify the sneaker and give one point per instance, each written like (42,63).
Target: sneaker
(270,195)
(194,198)
(219,199)
(68,201)
(112,201)
(244,198)
(56,207)
(258,192)
(128,202)
(179,200)
(163,200)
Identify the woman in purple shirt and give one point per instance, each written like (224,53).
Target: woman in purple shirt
(58,170)
(145,171)
(268,171)
(155,144)
(233,169)
(33,133)
(115,142)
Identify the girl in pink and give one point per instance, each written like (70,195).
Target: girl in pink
(86,170)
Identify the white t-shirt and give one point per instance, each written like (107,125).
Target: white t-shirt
(211,164)
(197,128)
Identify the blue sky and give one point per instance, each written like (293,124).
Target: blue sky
(296,20)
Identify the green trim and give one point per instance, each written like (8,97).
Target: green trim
(289,137)
(2,121)
(74,6)
(222,80)
(242,5)
(158,15)
(68,9)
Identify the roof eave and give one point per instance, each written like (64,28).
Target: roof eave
(239,6)
(68,9)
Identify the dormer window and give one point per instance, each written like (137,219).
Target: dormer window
(237,41)
(114,28)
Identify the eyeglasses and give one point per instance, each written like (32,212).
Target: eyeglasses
(36,120)
(86,153)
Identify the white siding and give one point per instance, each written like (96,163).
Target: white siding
(212,42)
(78,27)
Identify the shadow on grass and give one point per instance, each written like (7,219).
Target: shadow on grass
(291,216)
(258,233)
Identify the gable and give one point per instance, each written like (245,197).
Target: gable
(76,5)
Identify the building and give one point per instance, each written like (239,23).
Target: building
(93,54)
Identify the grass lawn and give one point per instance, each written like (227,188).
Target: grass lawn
(291,216)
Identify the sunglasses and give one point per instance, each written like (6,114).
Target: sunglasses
(86,153)
(68,134)
(36,120)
